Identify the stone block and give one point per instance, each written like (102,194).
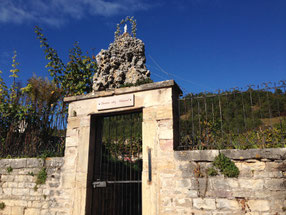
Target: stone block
(72,132)
(196,155)
(83,150)
(272,166)
(85,121)
(204,204)
(267,174)
(158,113)
(275,184)
(18,163)
(167,166)
(81,108)
(166,145)
(7,191)
(32,211)
(71,141)
(183,184)
(277,204)
(226,204)
(54,162)
(68,180)
(23,178)
(35,163)
(224,183)
(20,192)
(29,185)
(254,165)
(17,210)
(48,212)
(71,154)
(183,202)
(220,193)
(6,211)
(165,129)
(251,184)
(36,193)
(73,123)
(252,213)
(157,97)
(4,163)
(199,212)
(258,205)
(189,193)
(272,154)
(10,184)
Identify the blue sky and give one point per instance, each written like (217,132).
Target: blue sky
(204,45)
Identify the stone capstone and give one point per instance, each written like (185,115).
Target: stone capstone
(123,63)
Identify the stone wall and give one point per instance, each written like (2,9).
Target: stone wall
(179,182)
(186,188)
(17,187)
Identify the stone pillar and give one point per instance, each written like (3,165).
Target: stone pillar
(158,102)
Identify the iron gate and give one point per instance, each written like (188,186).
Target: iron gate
(118,165)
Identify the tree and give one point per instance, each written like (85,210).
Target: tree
(74,77)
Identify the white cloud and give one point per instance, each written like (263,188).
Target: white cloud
(57,12)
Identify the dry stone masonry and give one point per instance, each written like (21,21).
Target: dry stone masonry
(180,182)
(123,63)
(17,187)
(260,188)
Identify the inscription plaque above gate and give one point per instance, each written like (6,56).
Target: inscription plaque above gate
(115,102)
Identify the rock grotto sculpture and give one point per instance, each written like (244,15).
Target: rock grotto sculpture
(122,63)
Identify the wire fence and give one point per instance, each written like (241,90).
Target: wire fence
(38,137)
(241,118)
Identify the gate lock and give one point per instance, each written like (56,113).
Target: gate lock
(99,184)
(104,183)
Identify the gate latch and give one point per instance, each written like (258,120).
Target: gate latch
(99,184)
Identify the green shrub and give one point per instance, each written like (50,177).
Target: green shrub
(212,171)
(31,174)
(9,169)
(42,176)
(226,166)
(2,205)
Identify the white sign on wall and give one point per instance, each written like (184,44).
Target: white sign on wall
(115,102)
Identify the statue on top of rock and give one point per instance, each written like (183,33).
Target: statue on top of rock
(123,63)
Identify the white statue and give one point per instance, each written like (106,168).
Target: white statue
(125,28)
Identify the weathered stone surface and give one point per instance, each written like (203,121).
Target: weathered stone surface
(235,154)
(196,155)
(122,63)
(226,204)
(251,184)
(258,205)
(35,162)
(176,186)
(17,188)
(32,211)
(206,204)
(120,91)
(275,184)
(259,188)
